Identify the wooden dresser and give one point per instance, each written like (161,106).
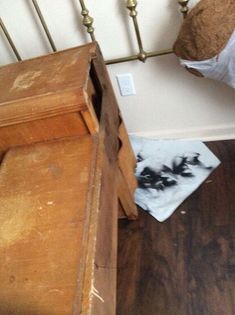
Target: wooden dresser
(66,168)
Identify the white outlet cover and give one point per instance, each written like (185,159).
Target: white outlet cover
(126,84)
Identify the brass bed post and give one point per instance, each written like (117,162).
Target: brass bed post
(10,41)
(131,5)
(87,20)
(42,20)
(184,7)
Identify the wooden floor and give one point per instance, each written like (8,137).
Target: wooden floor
(186,265)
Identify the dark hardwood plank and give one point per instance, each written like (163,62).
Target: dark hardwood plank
(186,265)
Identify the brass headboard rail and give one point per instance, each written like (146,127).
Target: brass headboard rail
(44,25)
(131,5)
(143,55)
(10,41)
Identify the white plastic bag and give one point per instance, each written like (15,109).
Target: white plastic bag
(221,67)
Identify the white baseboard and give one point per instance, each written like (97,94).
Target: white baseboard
(210,133)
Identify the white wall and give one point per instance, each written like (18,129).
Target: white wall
(169,102)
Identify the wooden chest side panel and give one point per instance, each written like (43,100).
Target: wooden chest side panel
(105,269)
(44,192)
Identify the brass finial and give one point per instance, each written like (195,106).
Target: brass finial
(142,56)
(184,7)
(131,5)
(87,20)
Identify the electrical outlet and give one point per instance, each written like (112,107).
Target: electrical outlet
(126,84)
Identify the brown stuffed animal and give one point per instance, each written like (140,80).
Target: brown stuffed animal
(206,30)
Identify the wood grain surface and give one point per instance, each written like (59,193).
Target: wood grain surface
(49,73)
(105,271)
(127,183)
(45,210)
(40,130)
(51,263)
(186,265)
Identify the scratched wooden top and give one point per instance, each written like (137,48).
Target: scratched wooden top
(47,84)
(46,197)
(46,74)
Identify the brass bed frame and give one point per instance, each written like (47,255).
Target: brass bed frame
(131,5)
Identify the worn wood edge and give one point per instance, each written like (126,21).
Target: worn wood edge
(91,119)
(126,197)
(91,238)
(131,181)
(89,115)
(104,82)
(127,182)
(121,212)
(24,111)
(123,134)
(108,134)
